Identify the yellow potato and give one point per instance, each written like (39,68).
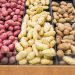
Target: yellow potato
(30,42)
(28,50)
(47,2)
(22,62)
(41,46)
(18,47)
(49,52)
(41,31)
(36,60)
(21,55)
(46,62)
(30,56)
(35,49)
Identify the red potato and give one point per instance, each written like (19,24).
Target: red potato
(2,27)
(17,11)
(12,38)
(22,8)
(1,22)
(17,23)
(21,13)
(9,10)
(4,49)
(7,17)
(3,1)
(15,18)
(7,4)
(0,41)
(0,45)
(3,5)
(17,27)
(12,14)
(1,55)
(10,22)
(19,16)
(11,47)
(10,28)
(5,13)
(9,33)
(18,6)
(6,26)
(13,4)
(15,41)
(14,52)
(12,60)
(14,9)
(16,38)
(2,31)
(19,2)
(16,33)
(7,42)
(3,36)
(9,54)
(20,19)
(4,60)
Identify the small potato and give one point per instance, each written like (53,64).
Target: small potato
(43,2)
(50,33)
(46,62)
(23,42)
(12,60)
(55,3)
(30,34)
(62,20)
(41,46)
(28,49)
(47,2)
(49,52)
(59,32)
(69,60)
(4,60)
(41,31)
(68,52)
(60,53)
(52,43)
(35,49)
(30,42)
(30,56)
(22,62)
(11,47)
(49,18)
(4,49)
(73,48)
(18,47)
(54,8)
(64,46)
(21,55)
(36,60)
(72,32)
(66,32)
(46,27)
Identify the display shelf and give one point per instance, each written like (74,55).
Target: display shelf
(36,70)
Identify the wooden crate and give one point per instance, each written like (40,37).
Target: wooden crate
(37,70)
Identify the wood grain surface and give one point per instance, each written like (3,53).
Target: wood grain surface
(37,70)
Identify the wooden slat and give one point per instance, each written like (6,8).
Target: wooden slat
(37,70)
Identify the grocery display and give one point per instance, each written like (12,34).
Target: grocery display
(37,32)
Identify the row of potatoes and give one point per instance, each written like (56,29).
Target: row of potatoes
(37,36)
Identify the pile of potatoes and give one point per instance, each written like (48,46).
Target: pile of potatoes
(65,39)
(63,12)
(37,36)
(11,14)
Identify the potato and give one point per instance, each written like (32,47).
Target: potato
(35,49)
(49,52)
(46,62)
(60,53)
(36,60)
(30,42)
(21,55)
(41,46)
(4,61)
(23,62)
(18,47)
(69,60)
(73,48)
(30,56)
(4,49)
(23,42)
(55,3)
(64,46)
(12,60)
(54,8)
(28,49)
